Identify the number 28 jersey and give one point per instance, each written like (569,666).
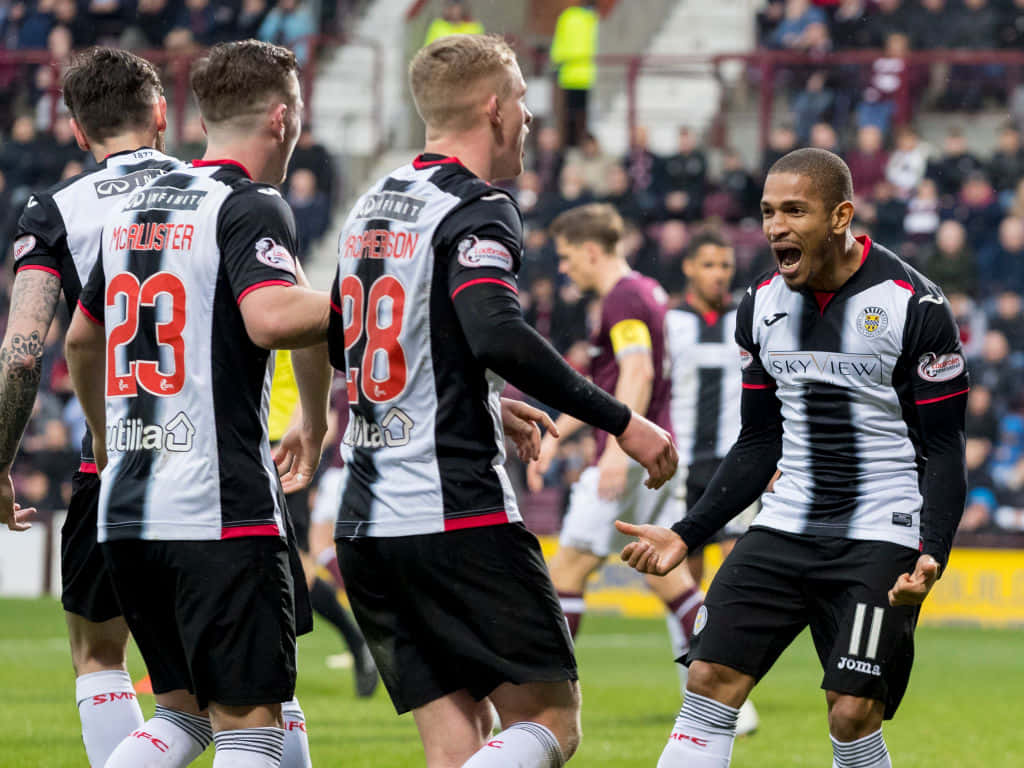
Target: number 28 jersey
(187,391)
(424,447)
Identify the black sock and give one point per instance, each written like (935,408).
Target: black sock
(325,602)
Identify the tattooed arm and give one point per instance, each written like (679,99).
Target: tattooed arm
(33,303)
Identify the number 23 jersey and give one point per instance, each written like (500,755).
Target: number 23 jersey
(187,391)
(424,447)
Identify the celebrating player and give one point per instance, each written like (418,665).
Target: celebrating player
(448,586)
(629,362)
(852,374)
(118,113)
(195,281)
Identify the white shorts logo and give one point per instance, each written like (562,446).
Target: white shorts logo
(474,252)
(274,255)
(23,245)
(701,621)
(932,367)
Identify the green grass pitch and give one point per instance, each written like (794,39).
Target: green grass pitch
(963,709)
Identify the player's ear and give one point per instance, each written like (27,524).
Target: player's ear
(688,268)
(80,138)
(279,121)
(842,217)
(160,112)
(493,110)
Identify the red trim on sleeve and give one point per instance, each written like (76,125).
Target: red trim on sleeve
(88,314)
(221,161)
(89,467)
(905,284)
(51,270)
(419,164)
(238,532)
(944,397)
(766,282)
(459,290)
(337,309)
(478,521)
(758,386)
(264,284)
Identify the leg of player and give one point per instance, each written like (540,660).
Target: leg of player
(247,736)
(296,739)
(681,596)
(107,704)
(570,568)
(855,726)
(173,737)
(453,728)
(705,729)
(545,726)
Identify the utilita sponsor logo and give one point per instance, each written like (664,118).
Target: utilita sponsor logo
(692,739)
(106,698)
(864,667)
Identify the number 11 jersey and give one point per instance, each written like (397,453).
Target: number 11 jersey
(187,391)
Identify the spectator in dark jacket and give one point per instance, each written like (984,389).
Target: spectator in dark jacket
(313,156)
(686,171)
(951,169)
(312,214)
(1006,167)
(951,262)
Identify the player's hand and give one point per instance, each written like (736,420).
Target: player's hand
(298,455)
(652,446)
(536,470)
(11,513)
(913,588)
(657,550)
(611,474)
(522,424)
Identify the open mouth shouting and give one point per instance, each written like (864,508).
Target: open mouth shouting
(788,257)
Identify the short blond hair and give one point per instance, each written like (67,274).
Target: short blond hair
(448,78)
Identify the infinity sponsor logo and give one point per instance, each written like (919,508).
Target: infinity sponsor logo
(933,367)
(175,436)
(855,665)
(394,430)
(390,205)
(165,199)
(124,184)
(851,370)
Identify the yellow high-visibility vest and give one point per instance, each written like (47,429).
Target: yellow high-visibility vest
(440,27)
(573,48)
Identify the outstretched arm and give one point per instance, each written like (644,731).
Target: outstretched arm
(33,303)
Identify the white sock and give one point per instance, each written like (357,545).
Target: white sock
(109,710)
(868,752)
(169,739)
(703,735)
(296,740)
(249,748)
(521,745)
(680,647)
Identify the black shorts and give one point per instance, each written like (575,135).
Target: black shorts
(468,609)
(86,589)
(774,584)
(298,510)
(216,618)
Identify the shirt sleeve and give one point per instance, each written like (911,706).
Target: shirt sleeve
(483,242)
(257,241)
(92,300)
(627,318)
(40,240)
(933,355)
(754,374)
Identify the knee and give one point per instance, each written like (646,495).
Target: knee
(718,682)
(564,723)
(852,717)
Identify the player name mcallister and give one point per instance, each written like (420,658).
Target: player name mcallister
(152,237)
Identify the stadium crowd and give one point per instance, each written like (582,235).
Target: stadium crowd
(954,211)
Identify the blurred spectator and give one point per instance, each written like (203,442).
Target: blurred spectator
(850,27)
(154,19)
(975,29)
(737,189)
(8,219)
(594,163)
(621,196)
(1011,25)
(892,17)
(644,169)
(951,263)
(23,161)
(922,220)
(1008,318)
(66,14)
(908,161)
(791,31)
(63,148)
(1006,166)
(562,322)
(34,21)
(663,259)
(878,102)
(686,172)
(823,136)
(978,210)
(573,48)
(572,192)
(1006,270)
(455,19)
(981,500)
(995,370)
(868,159)
(193,140)
(931,26)
(971,322)
(250,18)
(885,213)
(982,419)
(811,104)
(108,18)
(782,140)
(312,213)
(951,169)
(289,23)
(548,157)
(312,155)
